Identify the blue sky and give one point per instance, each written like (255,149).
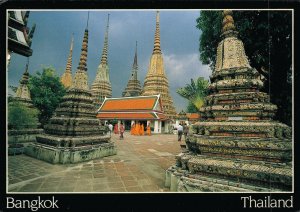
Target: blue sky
(179,43)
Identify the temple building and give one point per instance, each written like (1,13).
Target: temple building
(133,86)
(156,81)
(237,146)
(74,134)
(139,109)
(101,86)
(66,78)
(19,37)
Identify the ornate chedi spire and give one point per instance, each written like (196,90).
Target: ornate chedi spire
(237,146)
(230,51)
(156,81)
(66,78)
(74,134)
(80,79)
(133,86)
(22,92)
(101,86)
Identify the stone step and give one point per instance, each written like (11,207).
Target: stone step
(265,173)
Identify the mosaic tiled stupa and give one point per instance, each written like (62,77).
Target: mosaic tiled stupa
(66,78)
(133,86)
(156,81)
(236,146)
(74,134)
(101,86)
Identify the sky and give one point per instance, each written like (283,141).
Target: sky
(179,44)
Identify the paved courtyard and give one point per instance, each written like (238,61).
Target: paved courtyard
(139,166)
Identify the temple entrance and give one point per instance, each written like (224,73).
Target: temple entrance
(127,124)
(163,125)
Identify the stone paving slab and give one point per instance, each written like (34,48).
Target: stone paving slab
(139,166)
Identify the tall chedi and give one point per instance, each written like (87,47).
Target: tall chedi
(237,146)
(66,78)
(133,86)
(101,86)
(156,81)
(74,134)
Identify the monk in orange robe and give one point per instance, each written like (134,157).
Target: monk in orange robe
(132,129)
(148,129)
(137,129)
(142,129)
(116,130)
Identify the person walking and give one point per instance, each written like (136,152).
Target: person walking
(122,129)
(179,131)
(110,127)
(185,130)
(148,129)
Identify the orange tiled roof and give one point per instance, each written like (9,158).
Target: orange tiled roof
(126,116)
(161,116)
(138,103)
(193,115)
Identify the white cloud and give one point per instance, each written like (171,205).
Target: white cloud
(181,68)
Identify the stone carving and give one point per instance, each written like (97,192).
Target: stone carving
(74,134)
(237,146)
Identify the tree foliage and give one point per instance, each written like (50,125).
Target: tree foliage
(191,108)
(21,117)
(46,92)
(267,37)
(195,92)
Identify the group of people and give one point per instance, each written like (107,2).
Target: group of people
(139,129)
(182,130)
(136,129)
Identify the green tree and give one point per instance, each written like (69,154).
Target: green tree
(191,108)
(46,92)
(195,92)
(267,37)
(21,117)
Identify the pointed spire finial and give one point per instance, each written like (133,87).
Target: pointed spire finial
(228,22)
(135,65)
(27,64)
(87,21)
(84,48)
(157,49)
(105,46)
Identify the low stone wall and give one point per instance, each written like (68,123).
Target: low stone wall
(19,139)
(56,155)
(23,136)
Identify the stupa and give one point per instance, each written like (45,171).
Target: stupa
(237,146)
(23,94)
(101,86)
(20,135)
(66,78)
(156,81)
(133,86)
(74,134)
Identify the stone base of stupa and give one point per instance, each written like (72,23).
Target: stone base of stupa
(201,173)
(19,139)
(58,150)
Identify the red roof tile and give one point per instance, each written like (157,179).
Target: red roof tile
(193,115)
(113,115)
(138,103)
